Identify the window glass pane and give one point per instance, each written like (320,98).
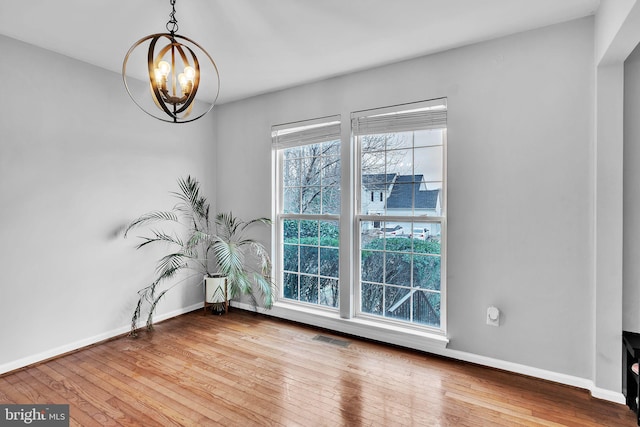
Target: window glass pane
(306,151)
(372,266)
(309,259)
(369,232)
(309,289)
(426,272)
(291,258)
(399,140)
(290,287)
(311,200)
(397,269)
(375,184)
(428,137)
(396,235)
(397,303)
(426,237)
(426,308)
(291,200)
(399,162)
(373,143)
(329,262)
(309,232)
(372,298)
(428,164)
(429,199)
(373,167)
(400,201)
(330,170)
(311,169)
(331,200)
(291,229)
(329,292)
(390,230)
(329,233)
(291,153)
(291,172)
(331,148)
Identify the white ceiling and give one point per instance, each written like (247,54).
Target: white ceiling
(265,45)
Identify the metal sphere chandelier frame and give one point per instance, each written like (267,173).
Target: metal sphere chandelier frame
(174,76)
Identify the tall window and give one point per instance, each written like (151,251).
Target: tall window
(395,270)
(308,207)
(401,154)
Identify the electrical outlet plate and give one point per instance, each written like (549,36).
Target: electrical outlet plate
(493,316)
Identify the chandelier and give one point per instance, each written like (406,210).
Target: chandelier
(167,76)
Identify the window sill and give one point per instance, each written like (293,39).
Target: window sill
(391,334)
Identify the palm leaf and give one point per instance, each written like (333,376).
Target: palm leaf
(159,236)
(196,238)
(170,264)
(190,195)
(263,256)
(265,221)
(152,309)
(228,225)
(266,287)
(151,217)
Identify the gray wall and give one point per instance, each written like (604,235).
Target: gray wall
(78,159)
(631,270)
(520,161)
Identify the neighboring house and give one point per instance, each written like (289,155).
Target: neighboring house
(393,194)
(375,192)
(408,191)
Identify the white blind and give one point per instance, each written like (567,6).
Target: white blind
(305,133)
(416,116)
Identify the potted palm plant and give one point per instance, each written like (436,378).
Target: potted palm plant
(204,249)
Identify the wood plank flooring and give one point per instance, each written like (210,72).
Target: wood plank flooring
(243,369)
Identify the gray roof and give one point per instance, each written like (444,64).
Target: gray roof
(378,181)
(406,189)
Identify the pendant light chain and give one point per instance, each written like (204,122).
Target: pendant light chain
(172,25)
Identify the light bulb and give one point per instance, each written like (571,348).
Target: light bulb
(164,68)
(183,80)
(185,83)
(158,76)
(189,72)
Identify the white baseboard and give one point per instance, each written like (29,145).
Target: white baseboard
(76,345)
(429,345)
(611,396)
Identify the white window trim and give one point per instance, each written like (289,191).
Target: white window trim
(345,320)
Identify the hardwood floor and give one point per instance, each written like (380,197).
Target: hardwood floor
(243,369)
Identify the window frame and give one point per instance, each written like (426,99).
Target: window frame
(359,217)
(349,219)
(278,151)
